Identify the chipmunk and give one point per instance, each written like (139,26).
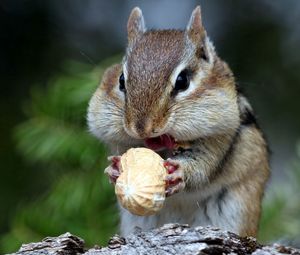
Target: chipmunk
(173,94)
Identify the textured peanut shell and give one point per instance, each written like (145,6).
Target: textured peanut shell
(141,186)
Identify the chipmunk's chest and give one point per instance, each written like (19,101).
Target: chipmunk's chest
(185,208)
(189,208)
(218,209)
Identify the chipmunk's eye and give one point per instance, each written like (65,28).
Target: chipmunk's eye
(122,83)
(182,81)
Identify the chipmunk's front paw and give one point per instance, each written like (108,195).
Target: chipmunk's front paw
(174,180)
(113,170)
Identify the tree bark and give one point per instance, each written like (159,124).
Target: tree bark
(170,239)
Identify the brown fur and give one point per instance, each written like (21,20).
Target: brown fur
(220,150)
(150,63)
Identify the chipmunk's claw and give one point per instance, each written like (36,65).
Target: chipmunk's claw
(113,170)
(171,190)
(171,165)
(174,179)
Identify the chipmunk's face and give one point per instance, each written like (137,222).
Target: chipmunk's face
(147,82)
(174,84)
(170,84)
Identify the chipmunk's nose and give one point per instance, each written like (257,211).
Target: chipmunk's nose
(141,129)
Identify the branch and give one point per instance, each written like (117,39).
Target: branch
(170,239)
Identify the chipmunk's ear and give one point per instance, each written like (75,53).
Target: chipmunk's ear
(195,30)
(196,36)
(135,25)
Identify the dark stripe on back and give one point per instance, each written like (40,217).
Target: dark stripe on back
(248,118)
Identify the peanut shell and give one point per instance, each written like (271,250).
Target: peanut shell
(141,186)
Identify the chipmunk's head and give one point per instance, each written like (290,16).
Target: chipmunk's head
(170,83)
(173,82)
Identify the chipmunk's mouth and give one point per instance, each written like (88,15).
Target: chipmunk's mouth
(159,143)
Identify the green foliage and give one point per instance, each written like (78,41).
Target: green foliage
(55,139)
(281,209)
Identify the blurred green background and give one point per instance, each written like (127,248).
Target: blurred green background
(52,56)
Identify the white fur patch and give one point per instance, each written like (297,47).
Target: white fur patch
(125,71)
(177,71)
(194,83)
(210,50)
(195,209)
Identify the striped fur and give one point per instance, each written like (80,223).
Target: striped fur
(225,164)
